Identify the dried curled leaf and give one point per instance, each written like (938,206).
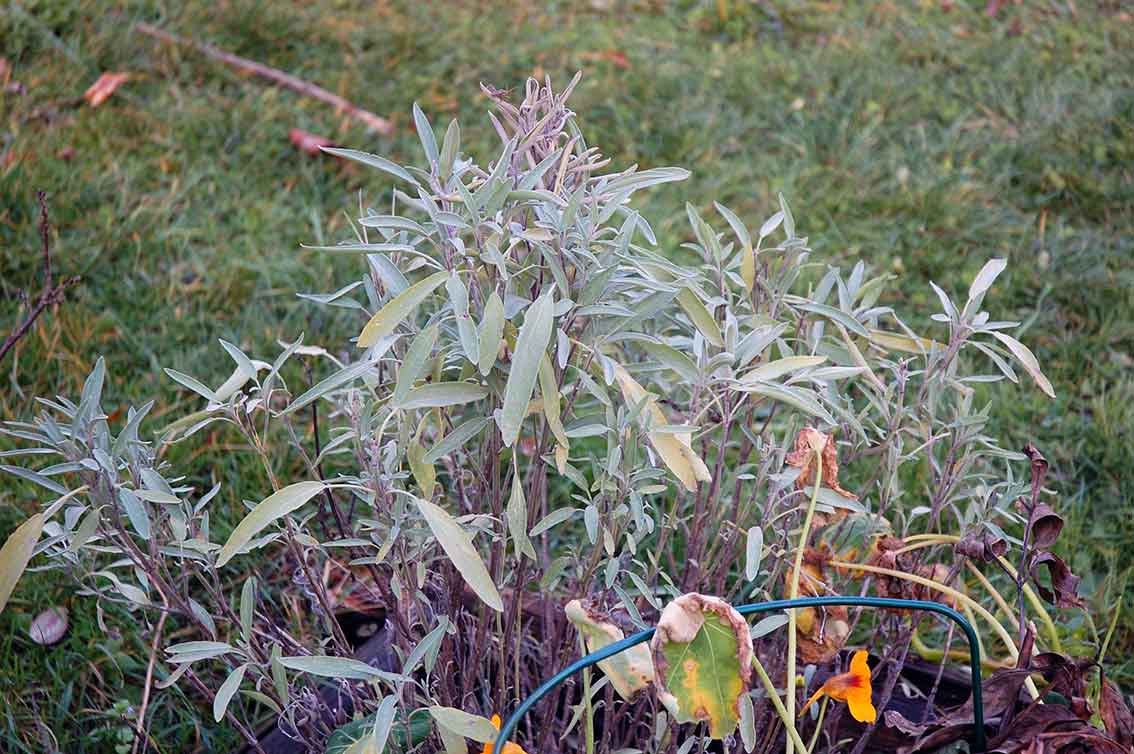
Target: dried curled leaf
(807,443)
(631,671)
(886,555)
(820,632)
(1064,584)
(703,661)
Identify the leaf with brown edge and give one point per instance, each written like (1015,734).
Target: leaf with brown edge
(1064,584)
(703,662)
(981,544)
(631,671)
(807,443)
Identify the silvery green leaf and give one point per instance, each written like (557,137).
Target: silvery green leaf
(271,509)
(491,332)
(517,514)
(449,148)
(747,722)
(591,519)
(136,512)
(373,249)
(393,222)
(770,225)
(456,439)
(388,273)
(552,519)
(387,319)
(767,626)
(1027,360)
(459,298)
(981,283)
(337,380)
(413,365)
(734,222)
(186,381)
(441,394)
(247,606)
(946,304)
(674,359)
(425,134)
(801,398)
(531,344)
(428,645)
(226,691)
(641,179)
(754,550)
(35,477)
(844,319)
(788,221)
(383,723)
(373,161)
(701,317)
(332,667)
(458,546)
(210,648)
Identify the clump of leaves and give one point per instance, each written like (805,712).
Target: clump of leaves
(546,402)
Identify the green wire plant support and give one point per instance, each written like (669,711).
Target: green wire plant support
(978,739)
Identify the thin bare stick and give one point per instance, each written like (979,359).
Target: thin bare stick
(276,76)
(52,293)
(140,727)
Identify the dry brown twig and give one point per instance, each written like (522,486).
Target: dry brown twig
(276,76)
(52,292)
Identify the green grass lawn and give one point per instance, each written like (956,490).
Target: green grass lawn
(921,140)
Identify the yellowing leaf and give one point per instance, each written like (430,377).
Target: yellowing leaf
(273,507)
(1027,360)
(700,315)
(16,553)
(748,267)
(401,306)
(703,661)
(675,448)
(630,671)
(458,546)
(904,343)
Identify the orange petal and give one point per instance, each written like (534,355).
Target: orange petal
(860,705)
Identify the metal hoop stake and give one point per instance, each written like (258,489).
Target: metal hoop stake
(610,650)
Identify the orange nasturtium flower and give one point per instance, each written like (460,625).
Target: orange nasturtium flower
(509,748)
(852,687)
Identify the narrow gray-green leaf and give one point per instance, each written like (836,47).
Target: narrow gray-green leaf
(273,507)
(836,315)
(982,282)
(532,343)
(192,383)
(701,317)
(338,379)
(387,319)
(491,332)
(247,606)
(373,161)
(517,515)
(1027,360)
(456,439)
(427,645)
(753,551)
(554,518)
(440,394)
(449,148)
(136,512)
(332,667)
(425,133)
(798,397)
(789,221)
(458,546)
(227,690)
(413,366)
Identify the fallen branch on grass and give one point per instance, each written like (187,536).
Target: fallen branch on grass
(52,292)
(278,77)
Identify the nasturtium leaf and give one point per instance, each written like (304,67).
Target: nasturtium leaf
(458,546)
(703,661)
(387,319)
(531,345)
(272,508)
(16,553)
(630,671)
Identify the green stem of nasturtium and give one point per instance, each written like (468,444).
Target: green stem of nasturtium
(774,696)
(818,725)
(793,592)
(926,540)
(962,599)
(588,709)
